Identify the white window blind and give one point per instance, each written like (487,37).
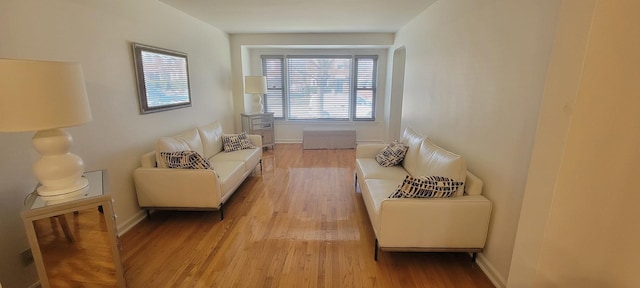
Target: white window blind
(320,87)
(273,68)
(365,88)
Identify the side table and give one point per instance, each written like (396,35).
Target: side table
(80,248)
(260,124)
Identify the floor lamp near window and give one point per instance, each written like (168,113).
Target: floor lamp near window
(256,85)
(46,96)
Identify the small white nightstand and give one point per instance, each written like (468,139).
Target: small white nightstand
(260,124)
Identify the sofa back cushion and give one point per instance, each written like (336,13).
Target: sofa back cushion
(189,140)
(436,161)
(211,135)
(412,139)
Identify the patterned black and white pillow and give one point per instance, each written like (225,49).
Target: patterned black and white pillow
(426,187)
(232,143)
(392,155)
(185,160)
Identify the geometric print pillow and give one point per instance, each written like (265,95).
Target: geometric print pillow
(232,143)
(392,155)
(185,160)
(426,187)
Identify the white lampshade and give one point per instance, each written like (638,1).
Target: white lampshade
(45,96)
(38,95)
(255,84)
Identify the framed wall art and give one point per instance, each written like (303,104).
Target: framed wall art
(163,78)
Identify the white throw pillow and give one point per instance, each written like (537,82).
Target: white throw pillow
(426,187)
(187,141)
(392,155)
(185,160)
(232,143)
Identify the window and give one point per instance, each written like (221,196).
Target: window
(320,87)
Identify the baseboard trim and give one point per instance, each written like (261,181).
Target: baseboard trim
(132,222)
(299,141)
(490,271)
(289,141)
(370,141)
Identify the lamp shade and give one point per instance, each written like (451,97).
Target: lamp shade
(255,84)
(39,95)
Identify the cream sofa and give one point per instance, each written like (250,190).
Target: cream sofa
(459,223)
(159,187)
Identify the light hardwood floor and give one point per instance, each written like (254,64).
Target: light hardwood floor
(298,224)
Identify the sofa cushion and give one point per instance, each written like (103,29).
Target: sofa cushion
(230,173)
(434,160)
(186,141)
(370,169)
(413,140)
(426,187)
(377,191)
(250,157)
(185,160)
(236,142)
(211,136)
(392,155)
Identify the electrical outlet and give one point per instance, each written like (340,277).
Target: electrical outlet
(26,256)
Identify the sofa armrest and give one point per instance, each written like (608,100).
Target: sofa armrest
(473,184)
(368,150)
(256,140)
(148,160)
(460,222)
(165,187)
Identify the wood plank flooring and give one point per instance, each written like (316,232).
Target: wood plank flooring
(298,224)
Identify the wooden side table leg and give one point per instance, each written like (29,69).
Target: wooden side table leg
(65,227)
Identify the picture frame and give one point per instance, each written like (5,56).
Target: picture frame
(163,78)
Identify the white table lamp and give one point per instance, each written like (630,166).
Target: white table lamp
(256,85)
(46,96)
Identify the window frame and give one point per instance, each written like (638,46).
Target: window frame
(373,89)
(285,96)
(354,57)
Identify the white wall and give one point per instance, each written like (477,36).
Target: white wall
(244,50)
(580,218)
(97,34)
(474,80)
(563,78)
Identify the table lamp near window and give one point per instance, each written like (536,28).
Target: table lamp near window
(256,85)
(47,96)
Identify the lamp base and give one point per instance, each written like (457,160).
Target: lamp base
(61,198)
(58,171)
(53,193)
(257,106)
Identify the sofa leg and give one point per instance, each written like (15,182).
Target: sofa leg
(260,166)
(473,257)
(148,213)
(375,252)
(355,181)
(221,213)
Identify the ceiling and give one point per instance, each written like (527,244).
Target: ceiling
(303,16)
